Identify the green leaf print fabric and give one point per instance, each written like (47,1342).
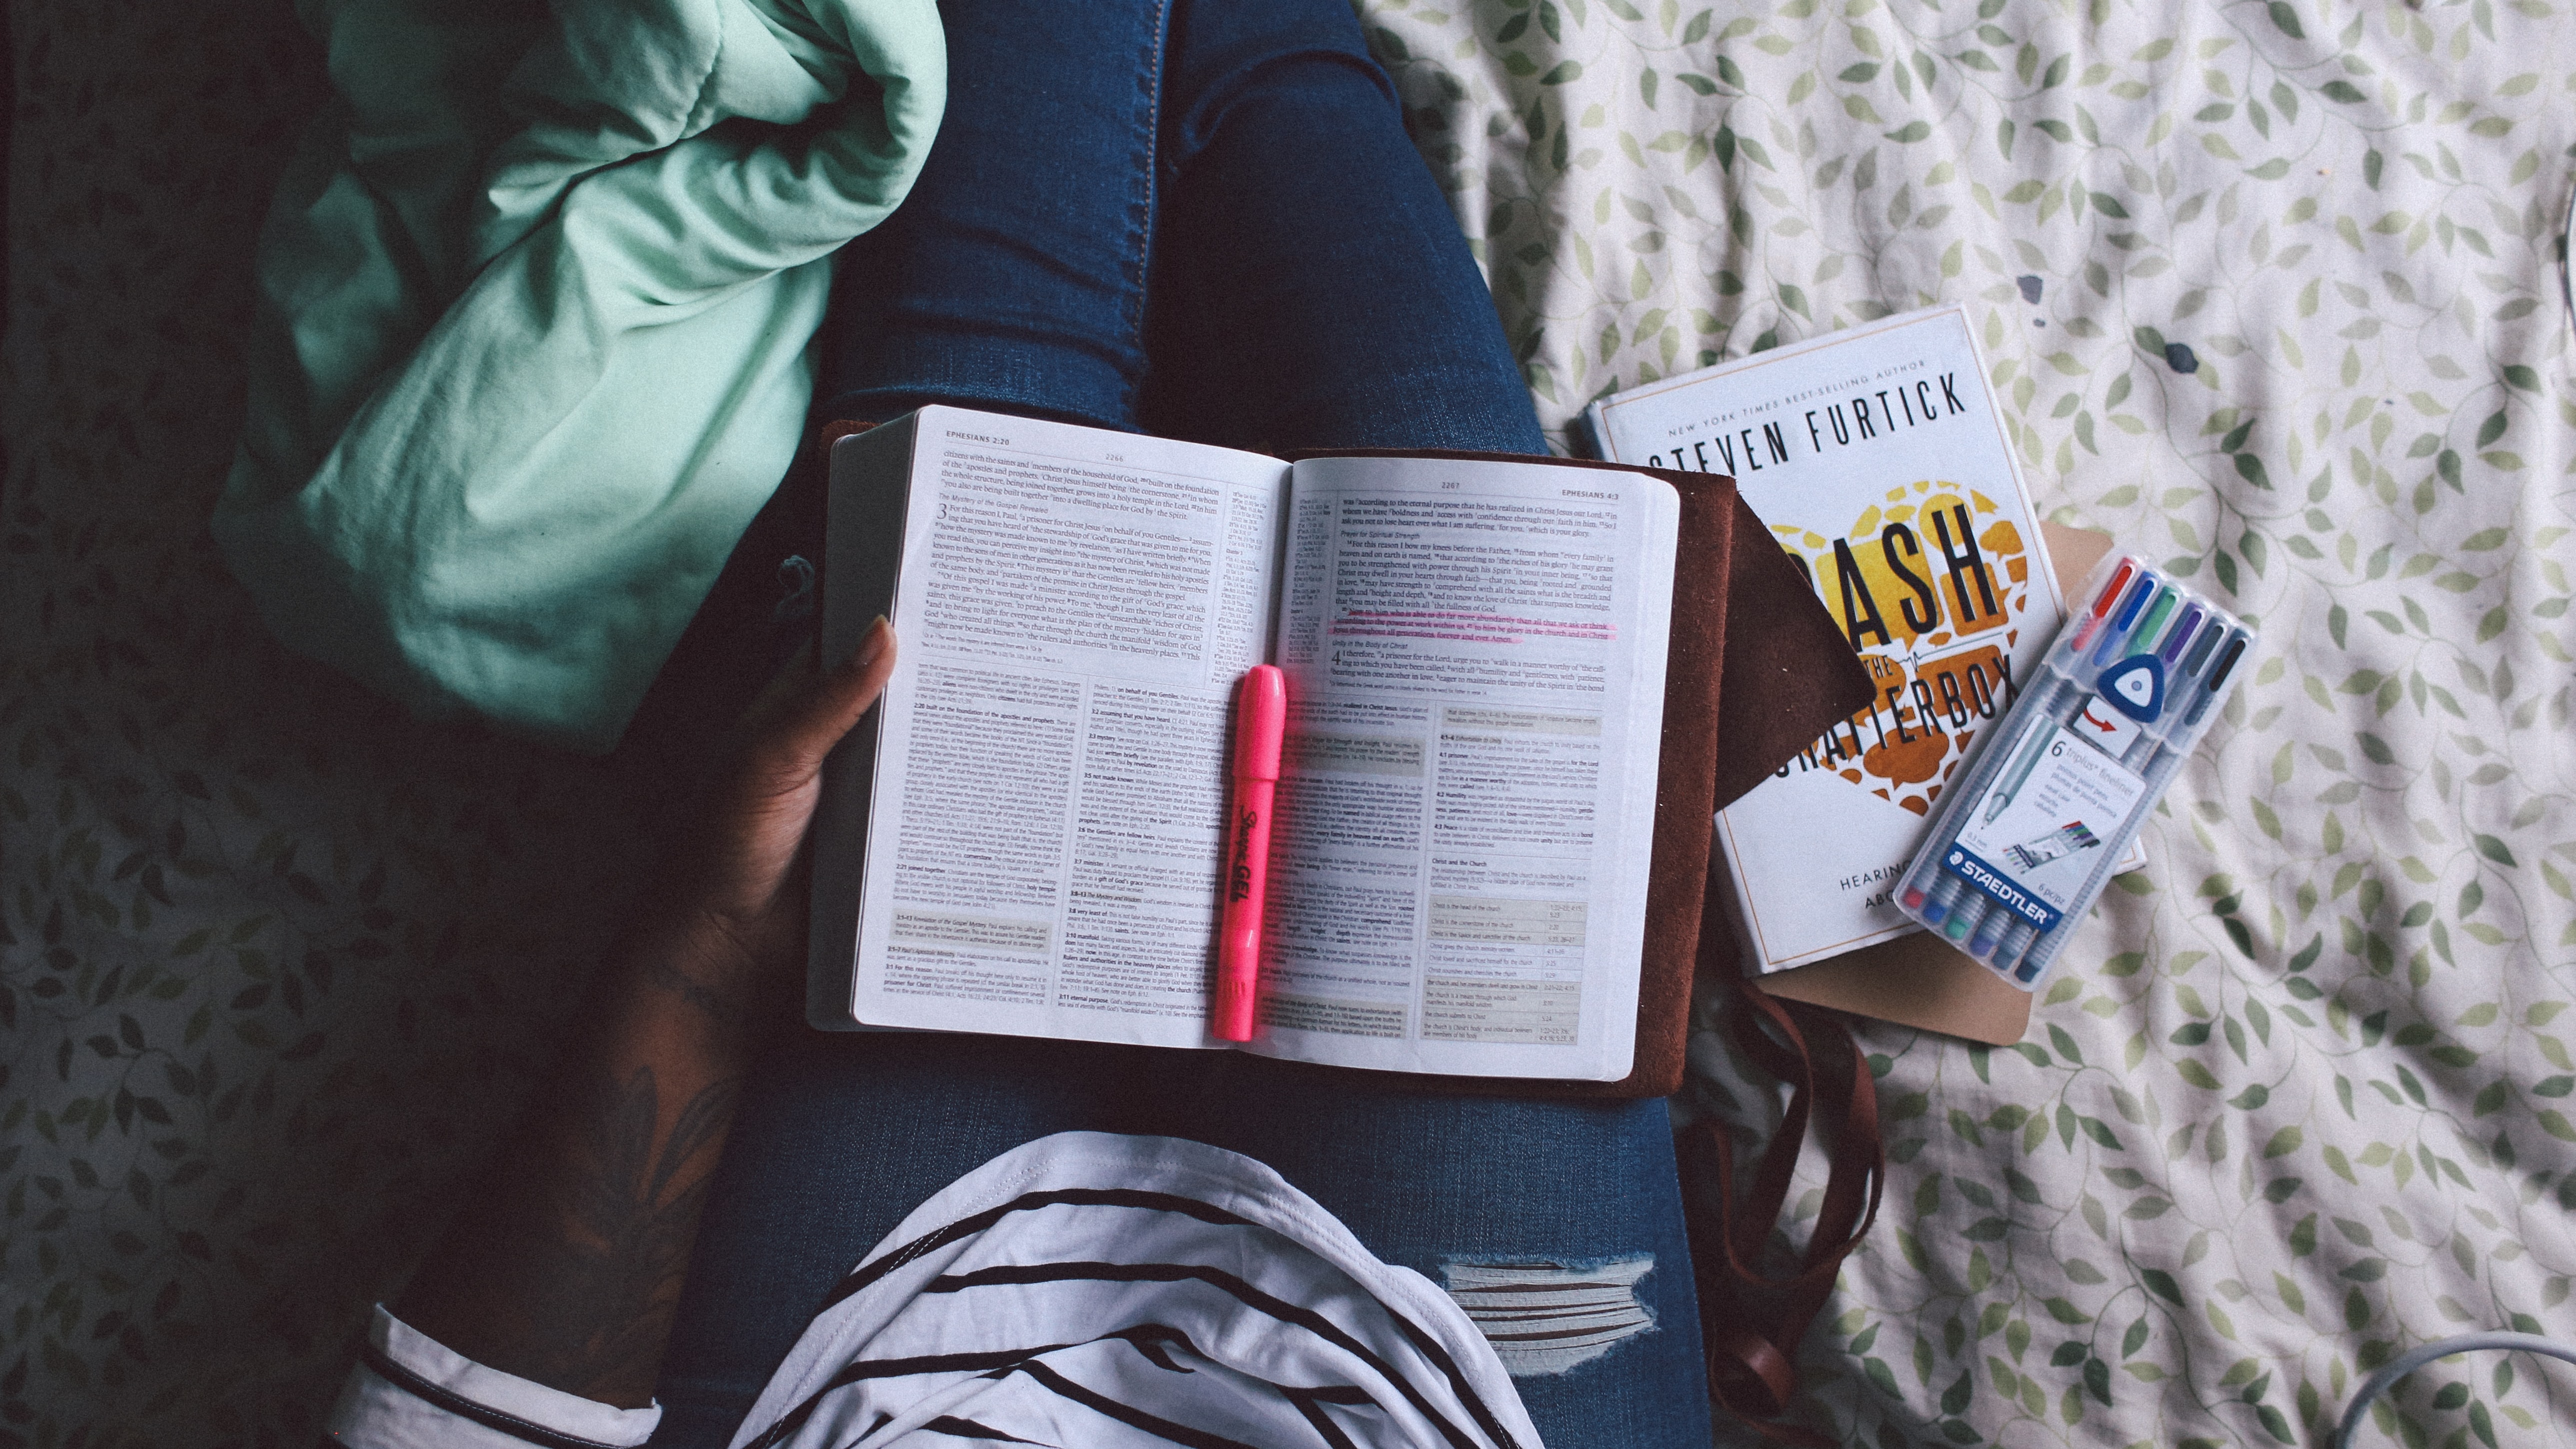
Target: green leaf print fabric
(2272,292)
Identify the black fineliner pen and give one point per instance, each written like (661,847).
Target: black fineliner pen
(1988,923)
(2152,651)
(2217,678)
(1948,903)
(2159,749)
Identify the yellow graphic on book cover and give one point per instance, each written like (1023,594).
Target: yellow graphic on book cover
(1931,585)
(1876,457)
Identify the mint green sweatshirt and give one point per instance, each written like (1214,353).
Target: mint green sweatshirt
(537,295)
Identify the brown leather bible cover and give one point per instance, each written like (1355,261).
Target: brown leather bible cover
(1756,669)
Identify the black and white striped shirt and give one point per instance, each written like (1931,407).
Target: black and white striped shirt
(1085,1289)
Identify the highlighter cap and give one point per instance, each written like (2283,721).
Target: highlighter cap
(1260,722)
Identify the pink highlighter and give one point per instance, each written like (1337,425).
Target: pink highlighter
(1260,726)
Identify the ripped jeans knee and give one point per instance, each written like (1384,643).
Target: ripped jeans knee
(1548,1317)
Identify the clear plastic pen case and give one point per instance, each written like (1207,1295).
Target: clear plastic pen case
(2025,843)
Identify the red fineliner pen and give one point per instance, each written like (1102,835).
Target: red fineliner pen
(1260,725)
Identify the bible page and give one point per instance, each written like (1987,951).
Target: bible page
(1475,656)
(1075,606)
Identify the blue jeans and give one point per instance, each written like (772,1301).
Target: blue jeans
(1198,220)
(1202,220)
(840,1137)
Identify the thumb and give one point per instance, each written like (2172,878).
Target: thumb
(806,710)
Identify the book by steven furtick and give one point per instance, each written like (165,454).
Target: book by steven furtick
(1878,458)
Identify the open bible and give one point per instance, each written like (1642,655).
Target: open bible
(1472,870)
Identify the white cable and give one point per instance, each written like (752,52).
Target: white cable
(2413,1359)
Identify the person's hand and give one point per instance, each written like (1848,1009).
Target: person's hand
(566,1266)
(737,900)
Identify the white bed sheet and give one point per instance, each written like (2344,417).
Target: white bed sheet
(273,958)
(2272,293)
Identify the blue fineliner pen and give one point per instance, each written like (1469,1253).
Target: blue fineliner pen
(1990,931)
(2015,952)
(1934,892)
(2149,649)
(2057,687)
(1987,923)
(2002,937)
(2118,634)
(2148,601)
(2216,651)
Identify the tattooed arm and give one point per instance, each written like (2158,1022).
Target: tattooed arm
(566,1266)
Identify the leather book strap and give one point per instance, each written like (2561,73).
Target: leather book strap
(1754,1309)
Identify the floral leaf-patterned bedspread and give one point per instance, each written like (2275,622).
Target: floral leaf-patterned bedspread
(2272,291)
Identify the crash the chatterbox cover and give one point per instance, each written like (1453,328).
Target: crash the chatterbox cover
(1883,466)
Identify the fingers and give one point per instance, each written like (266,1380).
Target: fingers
(805,710)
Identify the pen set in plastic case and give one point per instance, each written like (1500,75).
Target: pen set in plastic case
(2027,840)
